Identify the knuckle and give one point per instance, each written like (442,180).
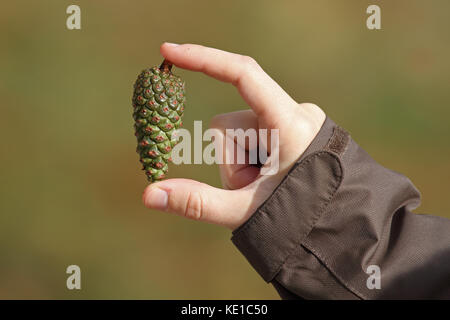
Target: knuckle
(249,62)
(313,113)
(308,106)
(194,206)
(248,66)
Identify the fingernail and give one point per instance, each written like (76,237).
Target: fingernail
(156,199)
(172,44)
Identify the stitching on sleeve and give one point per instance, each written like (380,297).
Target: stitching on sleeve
(253,219)
(319,212)
(325,263)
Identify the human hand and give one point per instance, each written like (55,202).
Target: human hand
(271,108)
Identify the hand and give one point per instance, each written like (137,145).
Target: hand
(271,108)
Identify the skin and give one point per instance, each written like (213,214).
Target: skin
(271,108)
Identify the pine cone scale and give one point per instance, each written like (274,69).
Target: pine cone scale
(158,105)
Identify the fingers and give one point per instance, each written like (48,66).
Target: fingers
(245,119)
(198,201)
(260,91)
(236,175)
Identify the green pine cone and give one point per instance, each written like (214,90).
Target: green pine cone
(158,104)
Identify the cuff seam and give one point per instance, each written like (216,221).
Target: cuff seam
(297,165)
(319,212)
(239,235)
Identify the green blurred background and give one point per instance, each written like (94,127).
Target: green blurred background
(71,182)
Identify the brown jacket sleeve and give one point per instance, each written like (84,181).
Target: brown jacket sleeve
(336,214)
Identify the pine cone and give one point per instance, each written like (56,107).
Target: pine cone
(158,104)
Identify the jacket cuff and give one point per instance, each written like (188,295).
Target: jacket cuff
(284,220)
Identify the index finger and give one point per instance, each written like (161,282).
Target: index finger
(256,87)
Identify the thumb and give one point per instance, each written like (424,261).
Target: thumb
(198,201)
